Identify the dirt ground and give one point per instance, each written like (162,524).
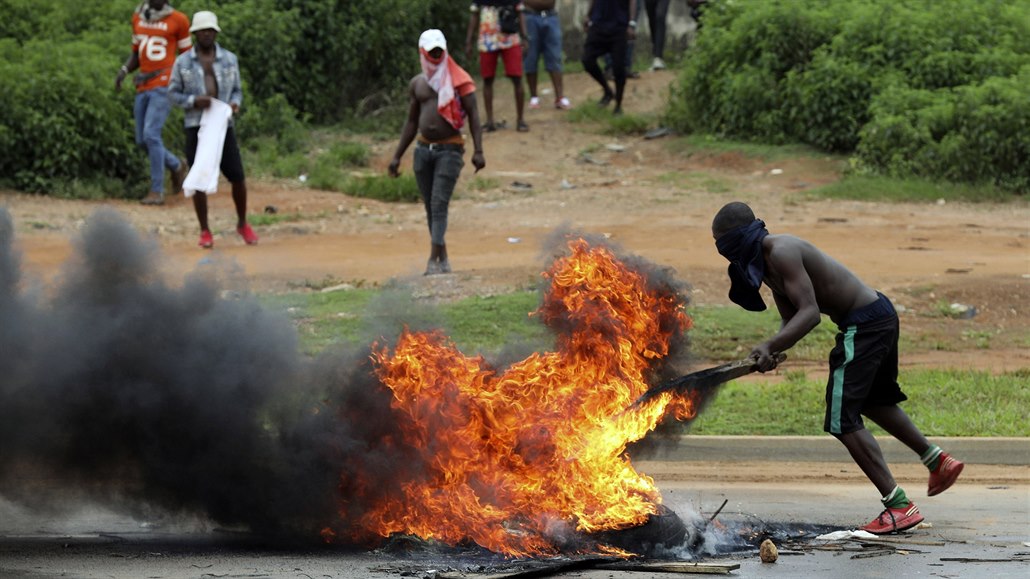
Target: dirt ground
(655,198)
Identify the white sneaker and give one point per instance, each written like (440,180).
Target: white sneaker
(562,103)
(534,102)
(657,64)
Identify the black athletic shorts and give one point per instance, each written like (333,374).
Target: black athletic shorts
(231,164)
(863,366)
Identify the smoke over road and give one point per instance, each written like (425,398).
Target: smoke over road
(118,388)
(146,397)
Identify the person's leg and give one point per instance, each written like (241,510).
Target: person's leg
(424,168)
(232,167)
(513,69)
(158,107)
(520,103)
(139,114)
(595,48)
(867,455)
(488,101)
(882,408)
(898,424)
(199,197)
(448,167)
(550,43)
(141,104)
(619,66)
(487,70)
(658,27)
(200,207)
(531,57)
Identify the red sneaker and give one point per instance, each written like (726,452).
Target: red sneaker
(895,520)
(247,234)
(207,241)
(942,477)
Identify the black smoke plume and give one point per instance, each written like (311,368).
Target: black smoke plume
(120,389)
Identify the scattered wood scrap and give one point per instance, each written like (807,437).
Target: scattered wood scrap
(1015,559)
(672,567)
(543,569)
(873,553)
(899,541)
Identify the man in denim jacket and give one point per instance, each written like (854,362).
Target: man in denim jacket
(208,72)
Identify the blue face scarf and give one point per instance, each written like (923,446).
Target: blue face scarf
(743,247)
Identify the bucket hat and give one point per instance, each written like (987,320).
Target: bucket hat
(203,20)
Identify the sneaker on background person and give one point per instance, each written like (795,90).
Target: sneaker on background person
(247,234)
(207,241)
(153,198)
(534,102)
(179,176)
(657,64)
(563,103)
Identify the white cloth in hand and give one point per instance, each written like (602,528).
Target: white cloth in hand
(203,175)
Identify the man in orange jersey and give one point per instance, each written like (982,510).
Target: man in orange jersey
(159,33)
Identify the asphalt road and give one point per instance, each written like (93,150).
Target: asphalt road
(976,529)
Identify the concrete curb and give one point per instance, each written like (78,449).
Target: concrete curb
(1004,451)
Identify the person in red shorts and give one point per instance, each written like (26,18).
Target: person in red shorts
(159,34)
(502,32)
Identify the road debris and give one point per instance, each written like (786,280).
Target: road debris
(767,551)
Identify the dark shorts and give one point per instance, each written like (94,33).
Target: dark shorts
(544,39)
(231,164)
(863,366)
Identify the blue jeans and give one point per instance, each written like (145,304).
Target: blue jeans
(436,172)
(544,37)
(151,110)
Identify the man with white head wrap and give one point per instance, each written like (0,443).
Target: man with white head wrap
(441,98)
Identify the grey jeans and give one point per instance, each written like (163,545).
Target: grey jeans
(436,172)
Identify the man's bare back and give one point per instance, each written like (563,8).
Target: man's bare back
(431,125)
(836,289)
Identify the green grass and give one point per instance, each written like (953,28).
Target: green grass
(489,323)
(403,189)
(323,319)
(265,219)
(728,333)
(696,180)
(481,184)
(711,144)
(617,125)
(877,188)
(941,402)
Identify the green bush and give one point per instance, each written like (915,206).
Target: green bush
(60,125)
(937,86)
(974,134)
(401,189)
(64,130)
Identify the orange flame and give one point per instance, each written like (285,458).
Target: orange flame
(516,461)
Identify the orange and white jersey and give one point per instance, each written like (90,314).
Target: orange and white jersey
(157,44)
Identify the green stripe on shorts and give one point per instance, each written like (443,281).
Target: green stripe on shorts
(838,379)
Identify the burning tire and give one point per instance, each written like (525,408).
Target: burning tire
(662,532)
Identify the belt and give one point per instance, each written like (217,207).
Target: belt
(544,13)
(442,146)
